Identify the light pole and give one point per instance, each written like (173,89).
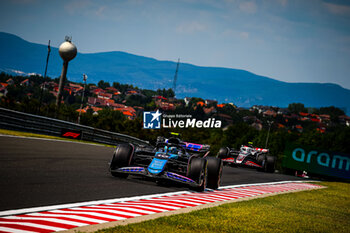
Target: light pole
(82,98)
(47,62)
(268,132)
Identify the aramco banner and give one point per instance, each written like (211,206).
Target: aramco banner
(317,161)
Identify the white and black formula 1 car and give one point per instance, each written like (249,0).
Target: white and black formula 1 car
(248,156)
(171,159)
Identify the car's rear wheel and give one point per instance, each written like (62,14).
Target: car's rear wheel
(121,158)
(269,164)
(214,172)
(223,152)
(260,158)
(197,171)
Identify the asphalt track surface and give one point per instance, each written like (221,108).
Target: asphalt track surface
(36,172)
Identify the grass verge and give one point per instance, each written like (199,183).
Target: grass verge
(34,135)
(321,210)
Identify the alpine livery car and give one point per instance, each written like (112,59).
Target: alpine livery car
(171,159)
(248,156)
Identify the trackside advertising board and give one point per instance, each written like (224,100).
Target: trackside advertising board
(317,161)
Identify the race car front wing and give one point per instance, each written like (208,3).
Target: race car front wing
(164,175)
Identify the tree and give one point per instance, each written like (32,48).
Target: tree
(102,84)
(296,107)
(332,111)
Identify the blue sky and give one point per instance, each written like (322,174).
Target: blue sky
(288,40)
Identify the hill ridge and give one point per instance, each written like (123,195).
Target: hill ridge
(239,86)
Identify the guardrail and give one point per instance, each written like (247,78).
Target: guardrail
(14,120)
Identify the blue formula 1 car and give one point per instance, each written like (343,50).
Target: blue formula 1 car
(171,159)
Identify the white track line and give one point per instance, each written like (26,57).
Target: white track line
(53,140)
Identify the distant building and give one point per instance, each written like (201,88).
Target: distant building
(270,113)
(345,120)
(208,102)
(127,111)
(3,91)
(259,108)
(225,117)
(97,91)
(25,82)
(201,103)
(325,118)
(75,88)
(209,110)
(111,89)
(283,111)
(93,101)
(132,92)
(165,105)
(10,81)
(4,85)
(299,128)
(104,95)
(159,97)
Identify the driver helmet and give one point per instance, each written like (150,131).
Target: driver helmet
(250,144)
(173,150)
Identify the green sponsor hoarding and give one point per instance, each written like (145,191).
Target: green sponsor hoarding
(317,161)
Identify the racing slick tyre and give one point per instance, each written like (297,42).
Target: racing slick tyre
(121,158)
(260,158)
(197,171)
(214,172)
(269,164)
(223,152)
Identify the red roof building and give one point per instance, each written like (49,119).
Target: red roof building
(4,84)
(271,113)
(201,103)
(209,110)
(159,97)
(10,81)
(104,95)
(111,89)
(25,82)
(127,111)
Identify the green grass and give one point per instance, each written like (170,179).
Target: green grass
(322,210)
(34,135)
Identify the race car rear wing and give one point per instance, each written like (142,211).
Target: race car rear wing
(189,146)
(262,150)
(258,149)
(196,147)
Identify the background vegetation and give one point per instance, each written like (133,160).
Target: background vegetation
(232,135)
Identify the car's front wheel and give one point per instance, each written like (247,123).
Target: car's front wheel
(197,171)
(121,158)
(214,172)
